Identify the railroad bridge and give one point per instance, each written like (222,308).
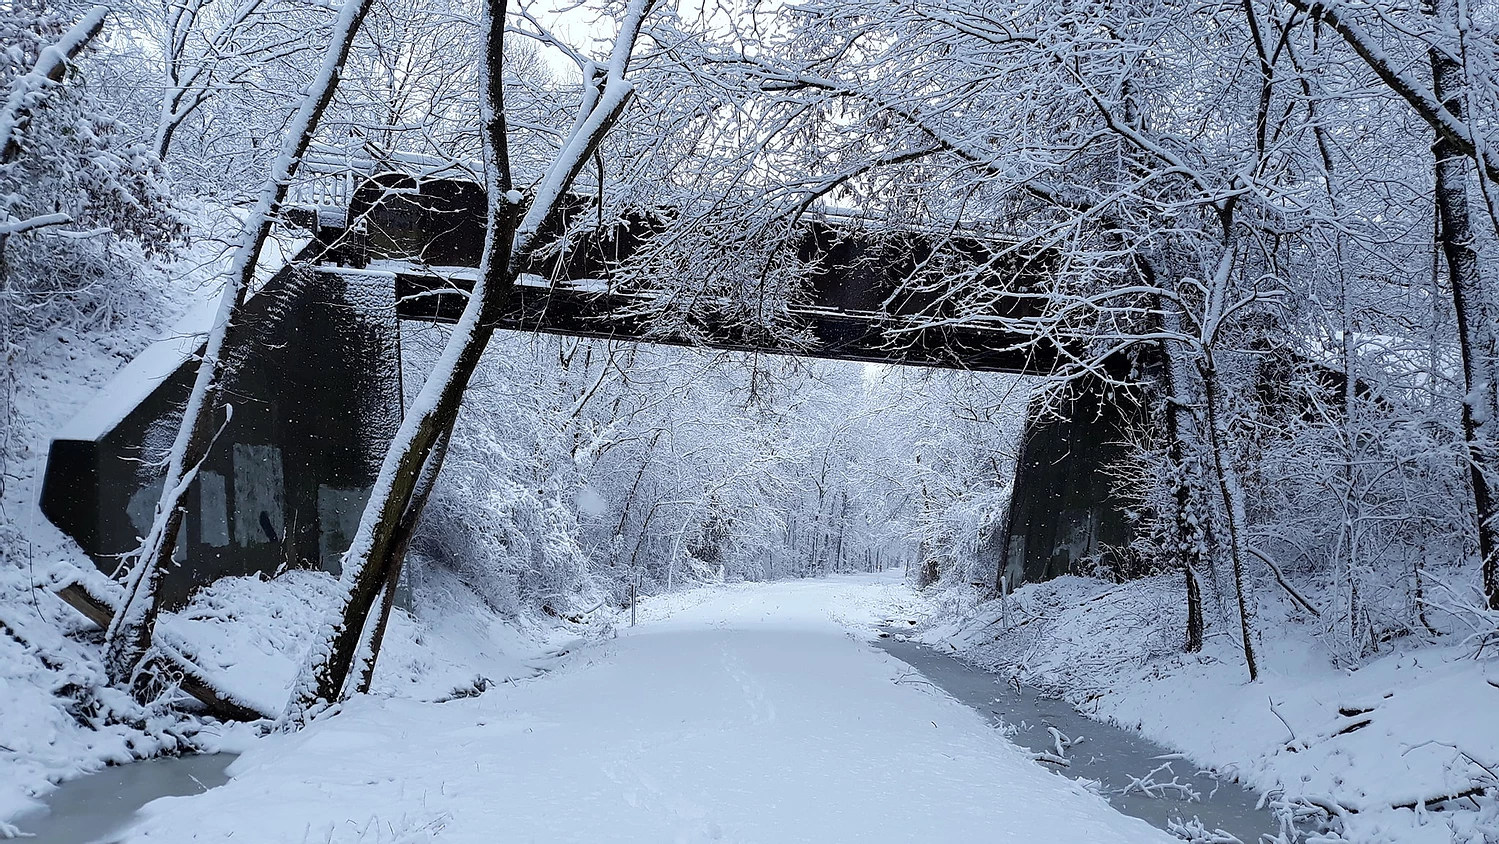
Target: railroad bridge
(318,392)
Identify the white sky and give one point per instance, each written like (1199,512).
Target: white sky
(580,25)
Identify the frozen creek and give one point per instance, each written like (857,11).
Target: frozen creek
(1138,776)
(97,808)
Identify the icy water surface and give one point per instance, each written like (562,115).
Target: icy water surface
(95,809)
(1126,764)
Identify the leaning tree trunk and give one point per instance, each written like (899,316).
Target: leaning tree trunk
(509,241)
(1475,329)
(391,578)
(129,633)
(1220,441)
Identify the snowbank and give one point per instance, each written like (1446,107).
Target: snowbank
(58,720)
(254,635)
(1381,748)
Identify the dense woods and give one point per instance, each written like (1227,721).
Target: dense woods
(1280,211)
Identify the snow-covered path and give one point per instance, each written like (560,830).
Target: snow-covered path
(746,714)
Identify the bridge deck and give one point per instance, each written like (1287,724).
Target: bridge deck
(581,309)
(883,297)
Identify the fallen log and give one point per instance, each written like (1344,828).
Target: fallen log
(169,665)
(1433,802)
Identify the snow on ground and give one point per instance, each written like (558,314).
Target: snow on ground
(1405,728)
(50,729)
(55,723)
(59,721)
(254,634)
(733,713)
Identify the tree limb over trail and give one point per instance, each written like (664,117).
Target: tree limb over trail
(50,66)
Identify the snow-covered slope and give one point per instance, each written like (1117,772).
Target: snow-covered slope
(1378,747)
(55,721)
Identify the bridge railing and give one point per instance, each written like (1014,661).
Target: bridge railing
(331,173)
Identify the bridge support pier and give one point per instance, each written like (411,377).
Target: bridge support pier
(316,394)
(1064,513)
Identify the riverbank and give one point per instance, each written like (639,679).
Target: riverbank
(1401,749)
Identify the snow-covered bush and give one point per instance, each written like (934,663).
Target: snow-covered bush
(70,158)
(1355,500)
(501,517)
(511,544)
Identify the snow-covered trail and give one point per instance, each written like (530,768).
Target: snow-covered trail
(745,714)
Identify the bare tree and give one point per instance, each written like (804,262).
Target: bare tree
(512,235)
(129,635)
(1460,145)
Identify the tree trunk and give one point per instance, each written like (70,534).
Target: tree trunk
(1232,492)
(1194,613)
(405,532)
(1189,523)
(1475,327)
(370,558)
(1189,519)
(509,240)
(838,562)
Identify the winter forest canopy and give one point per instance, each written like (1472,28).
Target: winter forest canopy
(1269,227)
